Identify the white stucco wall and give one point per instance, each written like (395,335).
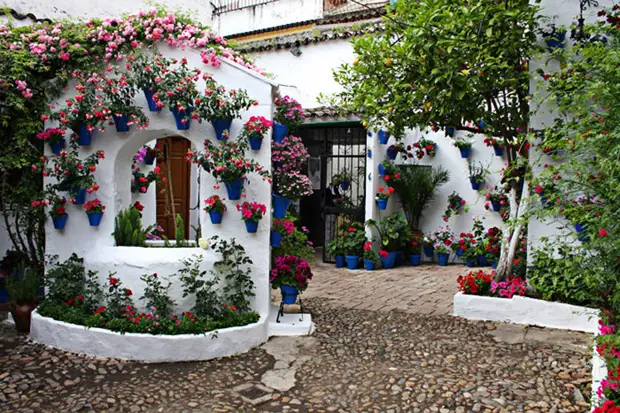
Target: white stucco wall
(96,244)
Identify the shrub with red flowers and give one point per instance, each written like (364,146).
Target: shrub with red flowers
(71,172)
(177,88)
(354,239)
(214,203)
(493,142)
(291,271)
(219,103)
(117,297)
(496,198)
(369,253)
(288,112)
(492,244)
(467,245)
(443,238)
(57,207)
(475,282)
(384,193)
(455,204)
(51,135)
(509,287)
(119,95)
(257,126)
(425,147)
(283,226)
(252,211)
(140,181)
(94,206)
(415,246)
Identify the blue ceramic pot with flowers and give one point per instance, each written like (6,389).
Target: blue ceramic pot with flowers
(352,261)
(79,195)
(182,117)
(58,146)
(60,221)
(389,261)
(415,259)
(340,261)
(429,252)
(251,226)
(280,206)
(221,125)
(382,204)
(121,123)
(443,257)
(289,294)
(369,265)
(499,150)
(85,136)
(94,219)
(234,189)
(391,153)
(384,136)
(276,238)
(148,94)
(279,132)
(465,150)
(482,260)
(256,141)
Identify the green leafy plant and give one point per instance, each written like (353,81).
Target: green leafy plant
(296,244)
(369,253)
(208,302)
(354,239)
(156,294)
(394,231)
(477,172)
(219,103)
(23,287)
(69,280)
(128,230)
(335,247)
(117,297)
(234,267)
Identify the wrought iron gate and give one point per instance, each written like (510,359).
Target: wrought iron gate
(337,167)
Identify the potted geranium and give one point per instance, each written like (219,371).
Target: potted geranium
(23,291)
(281,227)
(425,146)
(255,129)
(492,244)
(119,99)
(146,72)
(354,240)
(464,147)
(382,197)
(335,248)
(443,239)
(251,214)
(393,150)
(554,36)
(395,235)
(215,207)
(288,115)
(370,256)
(227,163)
(94,210)
(387,168)
(140,182)
(466,248)
(496,199)
(221,106)
(475,282)
(291,275)
(497,145)
(289,186)
(477,175)
(55,137)
(58,212)
(415,251)
(178,91)
(455,204)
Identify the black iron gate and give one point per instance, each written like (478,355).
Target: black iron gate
(337,167)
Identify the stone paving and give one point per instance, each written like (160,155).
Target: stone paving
(358,360)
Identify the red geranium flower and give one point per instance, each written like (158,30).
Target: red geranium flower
(137,205)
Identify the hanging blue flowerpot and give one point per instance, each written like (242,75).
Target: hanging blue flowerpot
(450,132)
(496,206)
(256,142)
(369,154)
(150,101)
(279,132)
(251,226)
(482,260)
(470,262)
(465,150)
(276,238)
(391,153)
(581,236)
(384,137)
(345,185)
(121,123)
(415,259)
(182,115)
(429,252)
(352,261)
(58,146)
(389,261)
(443,257)
(94,219)
(85,136)
(340,261)
(499,150)
(234,189)
(369,265)
(61,221)
(149,159)
(555,40)
(4,295)
(475,185)
(289,294)
(381,170)
(216,217)
(221,125)
(482,124)
(280,206)
(79,195)
(382,204)
(494,265)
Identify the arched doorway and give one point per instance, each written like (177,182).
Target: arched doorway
(173,196)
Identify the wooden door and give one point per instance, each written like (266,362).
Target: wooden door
(177,171)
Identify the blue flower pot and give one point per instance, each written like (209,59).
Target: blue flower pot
(4,295)
(581,236)
(389,261)
(149,159)
(85,136)
(415,259)
(382,203)
(220,125)
(150,101)
(60,222)
(450,132)
(216,217)
(482,261)
(345,185)
(280,206)
(256,142)
(79,195)
(234,189)
(369,154)
(340,261)
(496,206)
(180,115)
(384,136)
(95,218)
(475,185)
(121,123)
(429,252)
(58,146)
(276,238)
(369,265)
(381,170)
(289,294)
(494,265)
(251,226)
(482,124)
(470,262)
(391,153)
(465,151)
(555,40)
(443,258)
(459,252)
(499,151)
(352,261)
(279,132)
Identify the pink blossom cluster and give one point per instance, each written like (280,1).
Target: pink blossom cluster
(252,211)
(283,226)
(288,266)
(509,287)
(22,86)
(288,111)
(51,135)
(290,155)
(257,125)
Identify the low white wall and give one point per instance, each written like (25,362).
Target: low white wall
(528,311)
(147,347)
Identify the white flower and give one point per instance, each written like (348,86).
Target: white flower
(203,243)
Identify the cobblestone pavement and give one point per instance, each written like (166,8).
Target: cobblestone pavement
(357,361)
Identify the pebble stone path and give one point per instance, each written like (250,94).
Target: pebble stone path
(361,359)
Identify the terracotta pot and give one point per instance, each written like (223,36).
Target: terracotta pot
(21,315)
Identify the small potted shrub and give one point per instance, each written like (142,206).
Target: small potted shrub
(290,185)
(425,146)
(119,99)
(291,275)
(495,199)
(281,228)
(178,91)
(215,207)
(255,129)
(23,292)
(58,212)
(94,209)
(55,137)
(335,248)
(344,179)
(383,196)
(415,251)
(492,244)
(554,36)
(388,259)
(387,168)
(465,248)
(146,73)
(354,240)
(371,257)
(475,282)
(251,214)
(455,204)
(464,147)
(443,238)
(393,151)
(428,246)
(498,146)
(477,175)
(289,114)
